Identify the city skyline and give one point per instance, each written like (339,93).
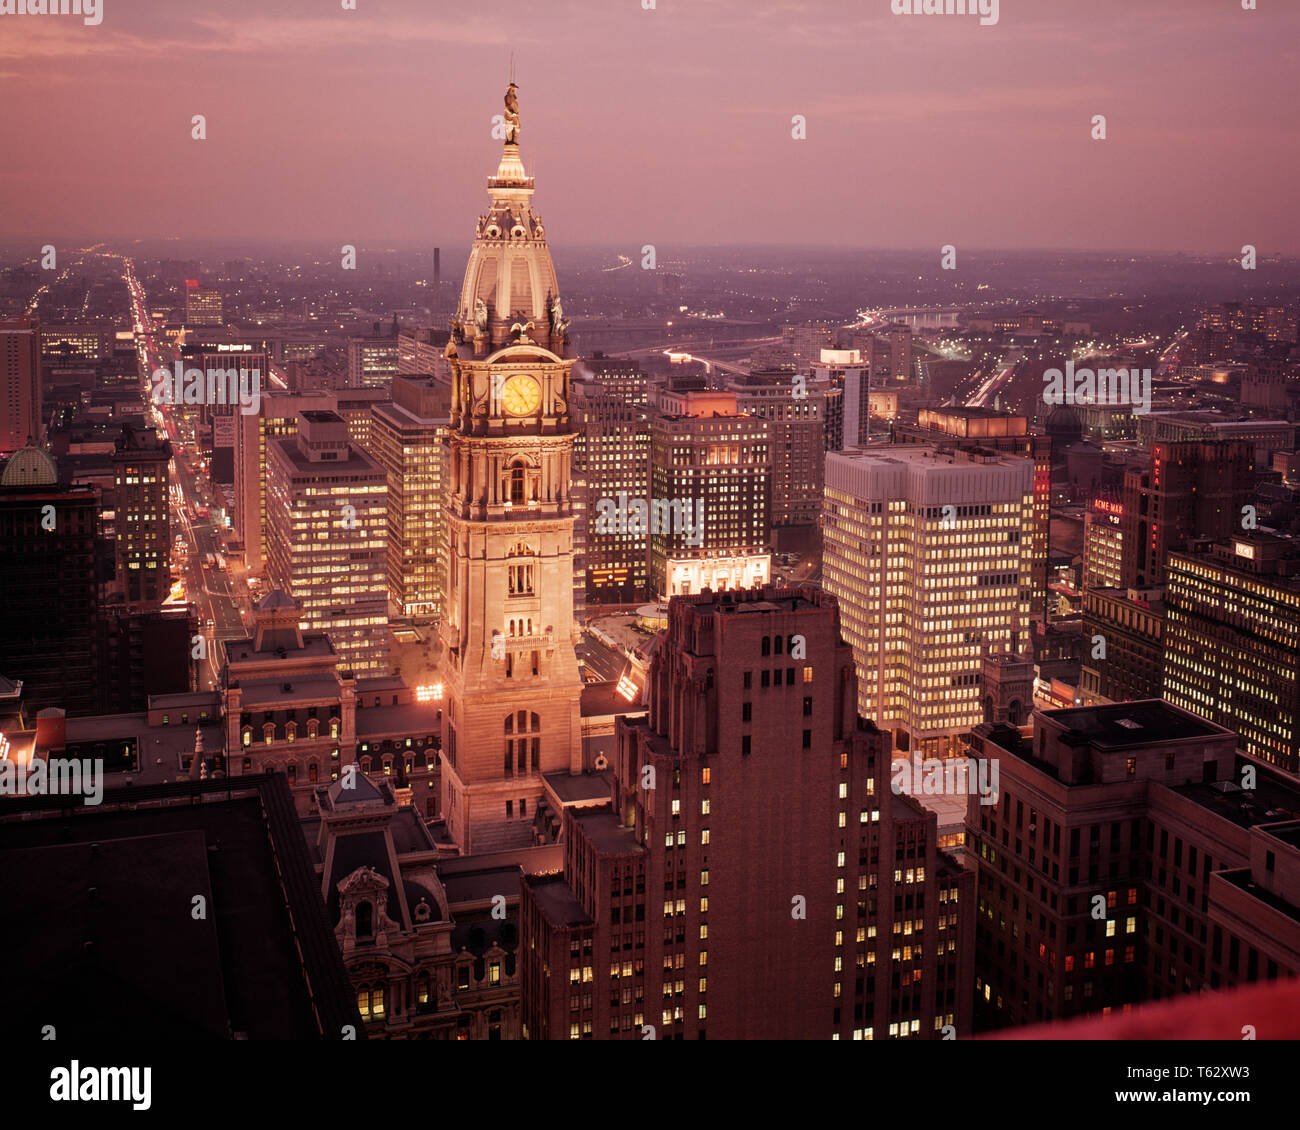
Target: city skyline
(704,647)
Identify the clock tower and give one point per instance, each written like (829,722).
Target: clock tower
(510,673)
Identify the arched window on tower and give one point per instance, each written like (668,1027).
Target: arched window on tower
(518,484)
(522,578)
(365,920)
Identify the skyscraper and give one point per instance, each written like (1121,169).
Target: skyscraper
(276,418)
(326,537)
(848,371)
(142,541)
(710,499)
(998,431)
(1232,640)
(20,383)
(202,307)
(1190,488)
(795,410)
(372,361)
(610,457)
(48,584)
(408,437)
(1103,540)
(929,554)
(509,667)
(752,874)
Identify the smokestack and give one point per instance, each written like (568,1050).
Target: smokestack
(437,265)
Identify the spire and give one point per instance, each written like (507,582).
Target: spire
(510,279)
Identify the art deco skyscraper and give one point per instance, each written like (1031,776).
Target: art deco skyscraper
(801,898)
(508,664)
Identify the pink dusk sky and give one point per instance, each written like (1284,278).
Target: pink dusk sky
(665,126)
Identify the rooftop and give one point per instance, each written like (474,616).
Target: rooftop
(1273,799)
(606,833)
(110,950)
(1123,725)
(556,901)
(585,787)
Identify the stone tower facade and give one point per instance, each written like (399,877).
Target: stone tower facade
(510,670)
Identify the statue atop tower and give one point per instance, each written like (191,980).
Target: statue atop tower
(512,115)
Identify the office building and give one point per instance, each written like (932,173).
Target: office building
(795,411)
(998,431)
(1127,859)
(929,553)
(408,436)
(276,418)
(76,345)
(710,493)
(617,376)
(423,352)
(752,874)
(21,415)
(1188,488)
(611,457)
(357,407)
(1123,655)
(326,536)
(1103,541)
(848,372)
(142,518)
(372,361)
(203,307)
(49,577)
(1232,641)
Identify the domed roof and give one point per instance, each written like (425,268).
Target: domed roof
(30,467)
(510,279)
(1064,421)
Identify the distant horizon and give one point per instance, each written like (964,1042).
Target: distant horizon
(793,122)
(76,241)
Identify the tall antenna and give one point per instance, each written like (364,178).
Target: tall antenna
(512,64)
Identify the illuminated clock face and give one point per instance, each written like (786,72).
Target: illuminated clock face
(520,396)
